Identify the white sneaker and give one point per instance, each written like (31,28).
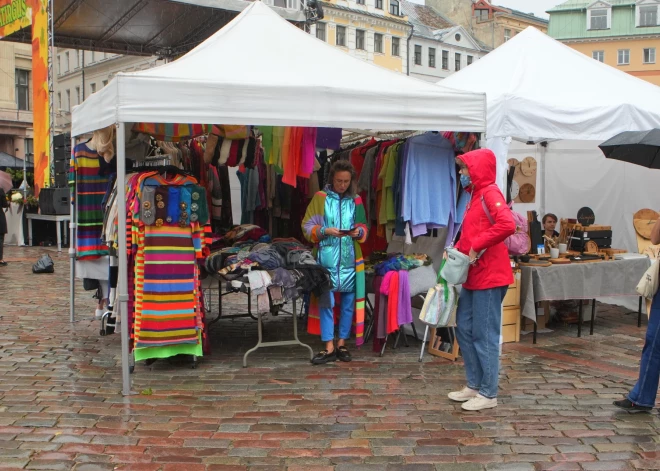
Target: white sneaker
(463,395)
(479,402)
(99,313)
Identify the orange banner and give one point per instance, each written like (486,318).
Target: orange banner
(14,16)
(41,99)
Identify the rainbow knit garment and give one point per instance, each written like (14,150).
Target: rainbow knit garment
(89,189)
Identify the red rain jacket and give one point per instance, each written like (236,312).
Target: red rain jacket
(493,269)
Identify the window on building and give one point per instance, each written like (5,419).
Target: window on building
(341,35)
(418,55)
(92,87)
(469,60)
(507,34)
(68,100)
(29,146)
(598,19)
(359,2)
(105,82)
(623,57)
(22,89)
(93,59)
(379,4)
(78,96)
(396,42)
(66,62)
(445,60)
(394,7)
(80,55)
(59,65)
(320,31)
(432,57)
(457,62)
(359,39)
(649,55)
(648,16)
(481,14)
(378,42)
(598,55)
(59,100)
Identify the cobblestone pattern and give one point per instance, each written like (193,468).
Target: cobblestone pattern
(61,406)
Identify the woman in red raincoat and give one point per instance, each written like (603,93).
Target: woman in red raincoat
(479,314)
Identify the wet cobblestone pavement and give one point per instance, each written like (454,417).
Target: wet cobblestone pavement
(61,406)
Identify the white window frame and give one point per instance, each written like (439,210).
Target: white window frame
(596,54)
(597,6)
(344,37)
(322,27)
(432,57)
(361,34)
(379,43)
(507,34)
(626,57)
(638,12)
(419,50)
(67,64)
(396,40)
(652,58)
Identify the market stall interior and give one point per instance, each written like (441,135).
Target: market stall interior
(290,108)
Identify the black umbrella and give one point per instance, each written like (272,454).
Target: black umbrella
(637,147)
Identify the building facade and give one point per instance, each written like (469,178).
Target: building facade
(622,33)
(489,24)
(16,129)
(376,31)
(78,74)
(438,47)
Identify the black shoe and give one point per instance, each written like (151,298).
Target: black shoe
(324,357)
(631,407)
(3,264)
(343,354)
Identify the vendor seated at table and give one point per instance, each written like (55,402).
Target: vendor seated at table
(549,224)
(335,222)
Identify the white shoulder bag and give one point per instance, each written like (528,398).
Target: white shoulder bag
(648,285)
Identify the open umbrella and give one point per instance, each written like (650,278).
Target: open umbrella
(637,147)
(5,181)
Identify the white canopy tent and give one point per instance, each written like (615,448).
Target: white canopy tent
(262,70)
(539,89)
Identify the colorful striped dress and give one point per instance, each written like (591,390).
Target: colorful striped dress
(88,189)
(166,298)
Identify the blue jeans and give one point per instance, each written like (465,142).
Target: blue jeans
(345,318)
(646,389)
(479,322)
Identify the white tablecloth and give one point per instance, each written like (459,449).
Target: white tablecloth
(14,215)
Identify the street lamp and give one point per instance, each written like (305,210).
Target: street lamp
(25,186)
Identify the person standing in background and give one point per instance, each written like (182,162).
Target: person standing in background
(643,395)
(3,225)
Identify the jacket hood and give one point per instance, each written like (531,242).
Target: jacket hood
(482,165)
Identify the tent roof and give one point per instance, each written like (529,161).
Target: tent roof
(539,88)
(166,28)
(260,69)
(8,160)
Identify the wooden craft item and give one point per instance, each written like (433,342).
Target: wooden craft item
(644,215)
(588,261)
(591,247)
(613,251)
(643,227)
(535,263)
(527,193)
(560,261)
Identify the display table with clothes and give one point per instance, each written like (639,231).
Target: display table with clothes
(395,280)
(278,273)
(579,281)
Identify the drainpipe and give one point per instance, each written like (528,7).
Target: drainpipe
(412,29)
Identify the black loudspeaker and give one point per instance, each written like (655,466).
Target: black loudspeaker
(62,154)
(61,180)
(54,201)
(62,140)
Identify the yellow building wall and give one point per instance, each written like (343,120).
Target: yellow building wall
(384,59)
(636,67)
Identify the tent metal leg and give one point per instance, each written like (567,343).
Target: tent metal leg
(72,251)
(593,316)
(639,312)
(123,262)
